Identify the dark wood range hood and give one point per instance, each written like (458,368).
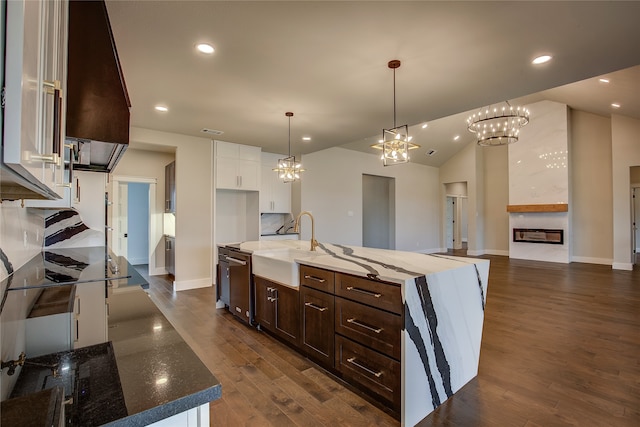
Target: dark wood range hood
(97,120)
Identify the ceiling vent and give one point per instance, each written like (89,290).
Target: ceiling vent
(212,131)
(431,152)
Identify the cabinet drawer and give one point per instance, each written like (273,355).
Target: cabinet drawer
(376,372)
(387,296)
(374,328)
(317,278)
(317,325)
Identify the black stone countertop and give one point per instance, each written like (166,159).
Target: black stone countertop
(161,376)
(153,371)
(73,266)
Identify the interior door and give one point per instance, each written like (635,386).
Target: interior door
(449,218)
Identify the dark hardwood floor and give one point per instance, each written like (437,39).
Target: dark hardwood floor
(561,346)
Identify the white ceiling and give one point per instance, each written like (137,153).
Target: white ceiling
(327,62)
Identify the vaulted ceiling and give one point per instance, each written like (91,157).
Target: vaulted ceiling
(326,61)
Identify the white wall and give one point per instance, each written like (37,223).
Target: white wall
(625,143)
(194,217)
(149,164)
(331,188)
(496,197)
(591,194)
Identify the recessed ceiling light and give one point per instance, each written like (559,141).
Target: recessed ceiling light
(457,137)
(205,48)
(306,138)
(424,126)
(603,80)
(161,108)
(541,59)
(615,105)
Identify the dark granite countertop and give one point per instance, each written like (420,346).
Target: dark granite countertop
(145,372)
(73,266)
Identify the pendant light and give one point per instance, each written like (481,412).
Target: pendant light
(396,142)
(288,168)
(498,126)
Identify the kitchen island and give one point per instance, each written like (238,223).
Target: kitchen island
(442,312)
(142,372)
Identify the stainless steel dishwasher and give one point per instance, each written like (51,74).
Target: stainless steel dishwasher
(236,283)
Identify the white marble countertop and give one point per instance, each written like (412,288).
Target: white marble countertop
(384,264)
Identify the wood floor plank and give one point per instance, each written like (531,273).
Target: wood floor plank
(561,346)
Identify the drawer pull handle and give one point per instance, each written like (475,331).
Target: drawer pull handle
(364,291)
(362,325)
(236,260)
(316,279)
(312,305)
(352,360)
(271,299)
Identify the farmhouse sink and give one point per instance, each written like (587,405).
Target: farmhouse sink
(279,265)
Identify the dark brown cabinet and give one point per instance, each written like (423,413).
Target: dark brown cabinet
(170,254)
(278,309)
(368,329)
(317,325)
(170,188)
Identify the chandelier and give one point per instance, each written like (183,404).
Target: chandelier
(498,126)
(396,142)
(288,169)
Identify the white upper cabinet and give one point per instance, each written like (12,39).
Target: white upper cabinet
(275,195)
(237,166)
(35,82)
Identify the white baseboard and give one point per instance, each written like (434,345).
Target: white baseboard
(220,304)
(473,252)
(184,285)
(499,252)
(591,260)
(158,271)
(622,266)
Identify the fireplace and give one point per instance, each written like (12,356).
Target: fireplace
(538,235)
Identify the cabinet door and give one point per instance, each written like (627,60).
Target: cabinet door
(90,311)
(34,74)
(265,307)
(287,315)
(226,173)
(266,179)
(249,175)
(170,255)
(170,188)
(281,195)
(317,325)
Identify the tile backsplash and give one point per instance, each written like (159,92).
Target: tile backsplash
(21,236)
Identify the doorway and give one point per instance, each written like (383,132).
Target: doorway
(135,233)
(378,212)
(138,223)
(455,216)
